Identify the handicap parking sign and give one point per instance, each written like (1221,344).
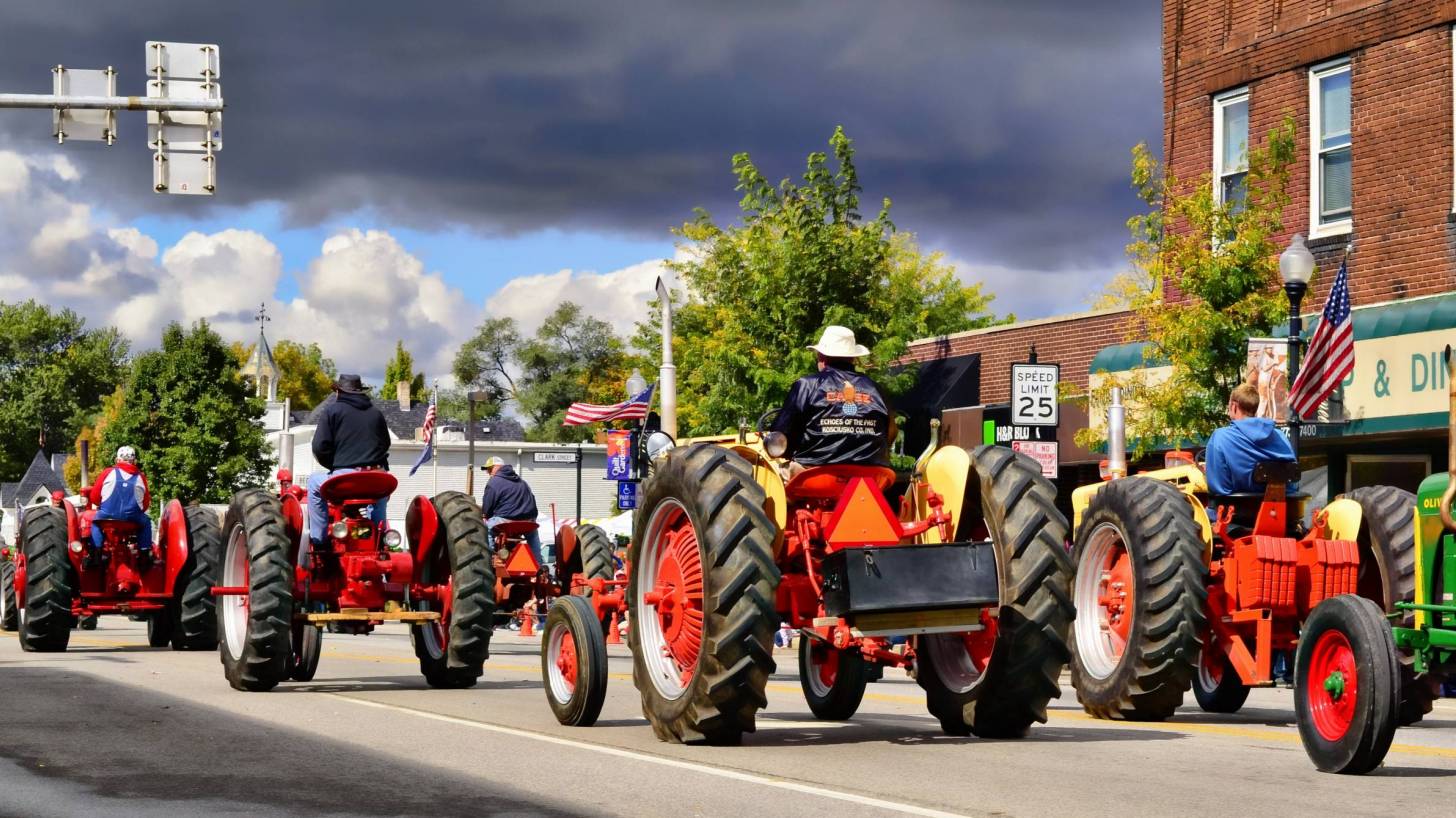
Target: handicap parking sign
(627,495)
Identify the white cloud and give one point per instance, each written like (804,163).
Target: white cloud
(1033,293)
(618,297)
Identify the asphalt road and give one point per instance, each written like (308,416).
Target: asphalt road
(118,729)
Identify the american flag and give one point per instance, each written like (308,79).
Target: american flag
(1331,355)
(634,408)
(429,430)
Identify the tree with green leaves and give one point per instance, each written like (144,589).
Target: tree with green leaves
(1221,263)
(572,357)
(401,367)
(801,257)
(54,373)
(192,418)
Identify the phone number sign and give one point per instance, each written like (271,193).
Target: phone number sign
(1034,394)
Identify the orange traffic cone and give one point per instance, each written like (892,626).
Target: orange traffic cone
(614,633)
(528,623)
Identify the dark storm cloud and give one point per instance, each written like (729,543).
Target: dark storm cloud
(1000,129)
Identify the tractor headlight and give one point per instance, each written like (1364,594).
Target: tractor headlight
(659,444)
(339,530)
(392,539)
(775,444)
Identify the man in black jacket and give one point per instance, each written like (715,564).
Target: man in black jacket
(507,497)
(835,415)
(351,436)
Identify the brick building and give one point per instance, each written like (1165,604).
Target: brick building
(1371,88)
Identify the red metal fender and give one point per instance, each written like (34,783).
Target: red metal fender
(565,544)
(292,523)
(422,527)
(175,545)
(74,533)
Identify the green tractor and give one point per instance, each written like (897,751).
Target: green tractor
(1347,671)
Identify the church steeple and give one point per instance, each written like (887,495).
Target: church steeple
(260,366)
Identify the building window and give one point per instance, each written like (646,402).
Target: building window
(1230,145)
(1329,130)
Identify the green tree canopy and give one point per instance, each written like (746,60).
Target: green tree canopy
(401,367)
(54,373)
(802,258)
(572,357)
(192,419)
(1221,259)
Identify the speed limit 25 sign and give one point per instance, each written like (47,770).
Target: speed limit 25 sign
(1034,394)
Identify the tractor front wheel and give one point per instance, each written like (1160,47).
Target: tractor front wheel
(1346,685)
(574,662)
(50,581)
(194,624)
(1216,685)
(833,680)
(701,597)
(307,645)
(996,681)
(452,649)
(159,628)
(1141,592)
(9,614)
(256,625)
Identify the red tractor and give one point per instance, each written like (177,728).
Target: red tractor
(277,592)
(60,578)
(967,588)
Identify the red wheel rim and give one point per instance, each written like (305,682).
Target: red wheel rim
(979,644)
(1212,662)
(566,661)
(678,594)
(826,665)
(1115,596)
(1332,686)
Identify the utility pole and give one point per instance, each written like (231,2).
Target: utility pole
(183,104)
(667,389)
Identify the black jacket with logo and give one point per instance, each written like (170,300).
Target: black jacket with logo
(835,416)
(351,434)
(507,495)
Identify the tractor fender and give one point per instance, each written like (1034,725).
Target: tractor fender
(565,547)
(766,475)
(948,471)
(74,533)
(1342,519)
(422,526)
(175,544)
(293,524)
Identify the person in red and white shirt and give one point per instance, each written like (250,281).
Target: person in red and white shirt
(121,493)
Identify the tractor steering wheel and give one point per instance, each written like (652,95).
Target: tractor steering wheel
(766,420)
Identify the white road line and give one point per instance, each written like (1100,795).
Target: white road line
(735,775)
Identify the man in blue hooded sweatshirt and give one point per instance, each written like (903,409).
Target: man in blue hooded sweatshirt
(1234,450)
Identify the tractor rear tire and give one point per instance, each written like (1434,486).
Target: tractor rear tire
(195,608)
(574,662)
(466,554)
(1387,531)
(1218,689)
(1152,523)
(1003,694)
(1346,685)
(9,614)
(703,654)
(159,628)
(838,697)
(50,582)
(255,637)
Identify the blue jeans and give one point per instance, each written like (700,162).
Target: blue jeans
(318,510)
(144,527)
(533,538)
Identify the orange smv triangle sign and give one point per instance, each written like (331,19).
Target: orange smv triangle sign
(521,562)
(862,517)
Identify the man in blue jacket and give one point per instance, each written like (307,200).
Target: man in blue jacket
(507,497)
(1234,450)
(351,436)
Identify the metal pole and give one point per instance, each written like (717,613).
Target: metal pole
(1295,291)
(1117,436)
(285,438)
(667,378)
(578,484)
(75,103)
(435,461)
(470,456)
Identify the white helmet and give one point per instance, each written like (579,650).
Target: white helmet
(126,454)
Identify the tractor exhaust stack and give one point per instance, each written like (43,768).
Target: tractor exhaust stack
(1117,436)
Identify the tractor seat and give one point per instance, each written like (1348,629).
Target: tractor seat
(363,486)
(515,528)
(828,482)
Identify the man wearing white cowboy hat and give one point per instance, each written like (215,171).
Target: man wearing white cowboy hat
(835,415)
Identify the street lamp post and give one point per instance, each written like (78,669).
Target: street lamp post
(1296,267)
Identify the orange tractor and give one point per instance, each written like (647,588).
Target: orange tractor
(1169,596)
(966,587)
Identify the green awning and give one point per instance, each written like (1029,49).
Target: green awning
(1437,312)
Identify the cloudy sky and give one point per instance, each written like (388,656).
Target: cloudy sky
(401,170)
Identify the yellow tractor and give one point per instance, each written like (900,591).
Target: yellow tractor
(1169,596)
(966,586)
